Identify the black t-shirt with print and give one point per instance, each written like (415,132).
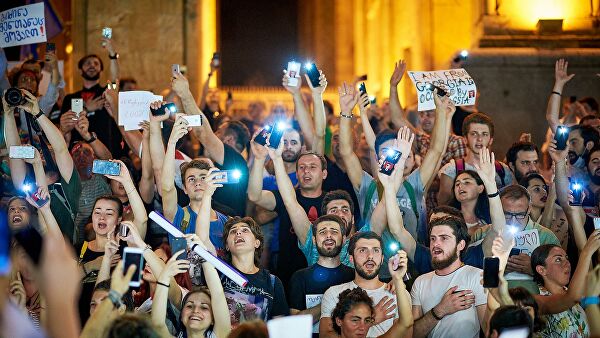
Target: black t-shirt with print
(291,259)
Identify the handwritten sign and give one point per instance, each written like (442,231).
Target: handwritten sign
(134,107)
(22,25)
(312,301)
(290,326)
(456,82)
(526,241)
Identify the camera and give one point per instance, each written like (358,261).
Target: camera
(14,97)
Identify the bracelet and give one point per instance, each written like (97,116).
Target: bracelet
(587,301)
(494,194)
(557,93)
(38,115)
(148,247)
(115,298)
(435,315)
(346,116)
(163,284)
(114,56)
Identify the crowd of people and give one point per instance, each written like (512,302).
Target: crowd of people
(323,223)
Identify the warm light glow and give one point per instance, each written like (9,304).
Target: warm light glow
(525,14)
(69,48)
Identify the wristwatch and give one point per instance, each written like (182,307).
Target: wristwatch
(92,139)
(115,298)
(114,56)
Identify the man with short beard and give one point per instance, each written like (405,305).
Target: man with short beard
(309,284)
(523,159)
(101,124)
(449,301)
(367,256)
(593,167)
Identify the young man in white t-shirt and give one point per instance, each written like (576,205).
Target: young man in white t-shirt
(449,301)
(366,253)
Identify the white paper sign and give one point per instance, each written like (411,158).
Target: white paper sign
(312,301)
(22,25)
(456,82)
(526,241)
(134,107)
(291,327)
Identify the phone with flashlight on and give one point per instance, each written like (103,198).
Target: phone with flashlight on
(561,137)
(277,134)
(392,156)
(31,189)
(227,176)
(313,74)
(577,191)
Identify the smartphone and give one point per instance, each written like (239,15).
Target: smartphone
(372,100)
(261,138)
(50,47)
(228,176)
(440,91)
(596,223)
(561,137)
(293,71)
(21,152)
(313,74)
(31,241)
(362,77)
(577,189)
(216,59)
(179,243)
(491,267)
(391,158)
(175,68)
(123,230)
(514,252)
(77,106)
(277,134)
(229,95)
(133,256)
(171,108)
(363,90)
(193,120)
(106,167)
(5,245)
(107,32)
(31,189)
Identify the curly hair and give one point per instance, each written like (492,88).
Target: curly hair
(347,300)
(256,231)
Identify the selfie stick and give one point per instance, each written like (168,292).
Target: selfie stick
(223,267)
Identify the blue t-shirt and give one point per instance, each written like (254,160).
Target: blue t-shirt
(215,231)
(270,183)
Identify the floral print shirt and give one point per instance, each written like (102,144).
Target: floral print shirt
(571,323)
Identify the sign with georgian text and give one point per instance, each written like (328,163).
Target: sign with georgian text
(456,82)
(22,25)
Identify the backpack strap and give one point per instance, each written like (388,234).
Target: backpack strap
(185,221)
(411,195)
(500,171)
(83,250)
(368,197)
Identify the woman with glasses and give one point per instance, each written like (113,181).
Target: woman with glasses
(543,209)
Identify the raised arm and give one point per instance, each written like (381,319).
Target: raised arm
(298,217)
(140,218)
(348,99)
(444,110)
(161,295)
(133,138)
(213,146)
(562,302)
(256,194)
(397,266)
(560,79)
(318,144)
(398,115)
(157,148)
(48,100)
(203,218)
(82,125)
(300,110)
(206,85)
(593,311)
(18,169)
(169,194)
(147,180)
(110,258)
(64,161)
(114,62)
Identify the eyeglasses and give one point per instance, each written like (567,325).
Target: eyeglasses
(517,215)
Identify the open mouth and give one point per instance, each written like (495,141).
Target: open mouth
(437,251)
(544,199)
(196,318)
(17,219)
(370,265)
(239,240)
(329,243)
(102,226)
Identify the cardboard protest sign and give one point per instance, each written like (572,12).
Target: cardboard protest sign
(134,107)
(22,25)
(526,241)
(456,82)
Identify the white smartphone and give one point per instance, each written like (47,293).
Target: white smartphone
(596,221)
(193,120)
(21,152)
(175,68)
(77,106)
(293,71)
(134,256)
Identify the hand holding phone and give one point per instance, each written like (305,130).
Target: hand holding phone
(193,120)
(491,268)
(35,195)
(313,74)
(577,191)
(227,176)
(133,256)
(216,60)
(170,108)
(76,107)
(276,134)
(293,73)
(103,167)
(440,91)
(22,152)
(392,156)
(175,69)
(561,137)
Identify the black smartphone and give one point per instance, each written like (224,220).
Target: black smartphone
(50,47)
(313,74)
(134,256)
(362,77)
(177,244)
(514,252)
(491,267)
(561,137)
(31,240)
(440,91)
(363,90)
(577,190)
(162,110)
(392,157)
(261,138)
(277,134)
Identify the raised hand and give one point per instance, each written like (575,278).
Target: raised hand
(291,89)
(560,72)
(159,118)
(486,167)
(82,126)
(174,267)
(180,84)
(592,286)
(444,104)
(349,97)
(124,175)
(68,121)
(36,157)
(43,193)
(322,83)
(112,246)
(52,60)
(453,301)
(275,153)
(398,264)
(133,237)
(211,182)
(593,243)
(399,70)
(404,140)
(180,129)
(111,99)
(258,150)
(119,281)
(363,103)
(555,154)
(107,44)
